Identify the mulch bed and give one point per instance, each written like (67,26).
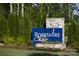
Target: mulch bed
(30,47)
(14,47)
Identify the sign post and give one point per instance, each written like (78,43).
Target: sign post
(55,23)
(50,37)
(46,37)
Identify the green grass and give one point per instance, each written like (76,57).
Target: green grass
(21,52)
(13,52)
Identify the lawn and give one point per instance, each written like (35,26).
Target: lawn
(22,52)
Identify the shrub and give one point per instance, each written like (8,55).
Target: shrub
(12,41)
(9,40)
(20,41)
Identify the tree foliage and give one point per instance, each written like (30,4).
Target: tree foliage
(16,29)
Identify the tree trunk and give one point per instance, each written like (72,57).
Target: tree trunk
(22,9)
(10,7)
(18,9)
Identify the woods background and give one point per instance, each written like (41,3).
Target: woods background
(18,19)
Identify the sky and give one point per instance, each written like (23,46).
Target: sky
(75,12)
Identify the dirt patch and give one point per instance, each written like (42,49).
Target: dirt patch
(17,47)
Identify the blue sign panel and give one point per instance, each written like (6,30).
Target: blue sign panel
(46,35)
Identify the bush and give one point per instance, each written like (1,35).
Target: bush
(9,40)
(12,41)
(73,35)
(20,41)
